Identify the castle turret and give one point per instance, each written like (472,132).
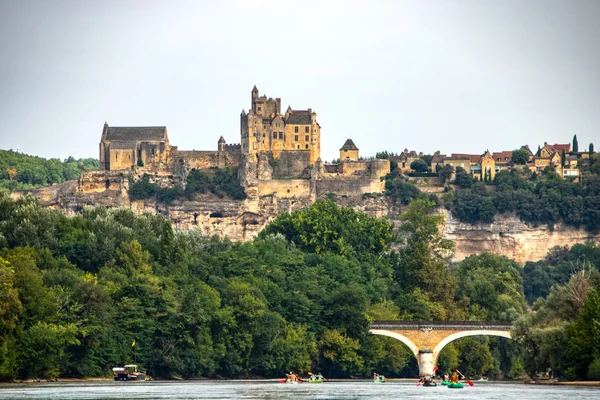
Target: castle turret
(221,144)
(349,151)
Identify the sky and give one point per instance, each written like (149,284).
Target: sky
(455,76)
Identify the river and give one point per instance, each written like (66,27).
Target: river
(249,390)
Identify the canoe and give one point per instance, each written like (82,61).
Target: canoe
(455,385)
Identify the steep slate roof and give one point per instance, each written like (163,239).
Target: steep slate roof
(299,117)
(137,133)
(123,144)
(349,145)
(221,139)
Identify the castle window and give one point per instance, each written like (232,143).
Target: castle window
(306,138)
(306,146)
(280,135)
(274,135)
(258,108)
(306,129)
(298,146)
(295,129)
(295,138)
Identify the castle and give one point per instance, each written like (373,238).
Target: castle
(275,148)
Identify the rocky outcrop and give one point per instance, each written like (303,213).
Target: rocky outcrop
(511,237)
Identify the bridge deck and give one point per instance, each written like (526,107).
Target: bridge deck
(442,325)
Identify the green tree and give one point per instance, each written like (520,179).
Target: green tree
(418,165)
(575,144)
(421,262)
(520,156)
(446,172)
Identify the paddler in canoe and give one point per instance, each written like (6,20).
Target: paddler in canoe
(291,377)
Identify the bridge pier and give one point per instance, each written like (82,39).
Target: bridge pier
(426,362)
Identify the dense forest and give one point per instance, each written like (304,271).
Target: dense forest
(20,171)
(75,292)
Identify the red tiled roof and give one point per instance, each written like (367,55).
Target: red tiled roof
(473,157)
(502,156)
(561,147)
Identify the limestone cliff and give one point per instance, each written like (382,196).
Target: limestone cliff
(243,220)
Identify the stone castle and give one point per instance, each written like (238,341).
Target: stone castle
(277,162)
(278,154)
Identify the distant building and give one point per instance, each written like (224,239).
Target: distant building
(265,128)
(125,147)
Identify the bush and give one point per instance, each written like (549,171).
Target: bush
(418,165)
(594,370)
(423,174)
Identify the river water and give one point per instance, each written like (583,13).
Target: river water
(249,390)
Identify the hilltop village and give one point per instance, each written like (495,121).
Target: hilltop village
(277,167)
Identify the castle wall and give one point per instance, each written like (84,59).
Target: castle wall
(291,164)
(284,187)
(206,159)
(345,186)
(121,158)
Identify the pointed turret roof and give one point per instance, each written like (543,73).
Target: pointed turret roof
(222,139)
(349,145)
(243,112)
(254,89)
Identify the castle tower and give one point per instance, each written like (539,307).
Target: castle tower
(349,151)
(221,143)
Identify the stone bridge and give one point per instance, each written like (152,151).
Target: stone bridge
(427,339)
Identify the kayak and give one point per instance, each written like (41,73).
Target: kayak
(445,383)
(455,385)
(379,380)
(431,383)
(482,380)
(314,381)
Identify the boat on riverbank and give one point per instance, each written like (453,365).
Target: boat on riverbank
(129,372)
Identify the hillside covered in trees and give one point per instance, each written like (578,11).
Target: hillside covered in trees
(75,292)
(20,171)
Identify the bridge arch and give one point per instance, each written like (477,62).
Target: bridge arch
(450,338)
(413,347)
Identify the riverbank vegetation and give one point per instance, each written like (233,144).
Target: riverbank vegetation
(75,292)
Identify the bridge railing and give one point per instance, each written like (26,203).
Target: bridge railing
(446,325)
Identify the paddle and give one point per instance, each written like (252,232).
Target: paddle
(468,381)
(420,380)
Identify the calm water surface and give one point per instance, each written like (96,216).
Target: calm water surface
(275,390)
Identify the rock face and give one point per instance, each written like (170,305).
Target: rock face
(244,219)
(511,237)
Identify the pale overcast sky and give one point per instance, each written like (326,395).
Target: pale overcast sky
(455,76)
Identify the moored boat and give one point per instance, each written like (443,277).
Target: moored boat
(129,372)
